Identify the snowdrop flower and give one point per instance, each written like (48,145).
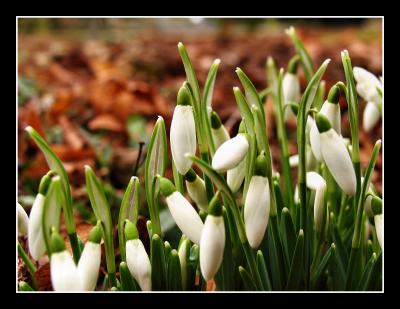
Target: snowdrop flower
(379,228)
(235,176)
(183,253)
(136,257)
(36,243)
(368,199)
(331,110)
(22,221)
(89,262)
(367,87)
(63,271)
(212,242)
(257,204)
(291,87)
(336,156)
(183,132)
(196,189)
(185,216)
(230,153)
(317,183)
(218,130)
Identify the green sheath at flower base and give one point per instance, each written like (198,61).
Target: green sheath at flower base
(215,207)
(334,94)
(95,234)
(183,97)
(56,242)
(260,168)
(166,186)
(131,231)
(323,123)
(376,205)
(45,182)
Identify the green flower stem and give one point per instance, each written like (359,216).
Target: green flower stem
(112,280)
(28,263)
(343,204)
(207,181)
(283,143)
(178,179)
(76,250)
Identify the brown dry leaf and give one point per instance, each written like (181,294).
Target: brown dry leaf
(43,280)
(66,153)
(71,133)
(106,122)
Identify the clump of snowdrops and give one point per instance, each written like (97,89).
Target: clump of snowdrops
(244,226)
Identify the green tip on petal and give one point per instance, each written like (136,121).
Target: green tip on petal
(376,205)
(183,97)
(293,64)
(215,120)
(215,207)
(131,231)
(323,123)
(191,175)
(166,186)
(261,165)
(56,242)
(95,234)
(334,93)
(45,182)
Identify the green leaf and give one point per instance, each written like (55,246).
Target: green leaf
(158,267)
(245,110)
(129,210)
(174,272)
(366,276)
(275,263)
(156,162)
(319,272)
(178,179)
(301,50)
(52,210)
(101,209)
(288,234)
(262,269)
(247,280)
(128,283)
(250,91)
(250,163)
(56,165)
(193,265)
(296,267)
(25,287)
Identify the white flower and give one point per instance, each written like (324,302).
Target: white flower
(317,183)
(138,263)
(378,219)
(291,92)
(64,273)
(371,116)
(332,112)
(22,221)
(235,176)
(336,156)
(230,153)
(183,137)
(197,190)
(89,265)
(367,84)
(36,243)
(314,142)
(256,210)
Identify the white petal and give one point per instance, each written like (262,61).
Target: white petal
(36,244)
(22,221)
(64,274)
(235,176)
(220,135)
(365,77)
(197,192)
(182,137)
(138,263)
(230,153)
(294,160)
(185,216)
(316,182)
(338,161)
(291,92)
(379,228)
(89,265)
(314,142)
(256,210)
(332,112)
(212,245)
(371,116)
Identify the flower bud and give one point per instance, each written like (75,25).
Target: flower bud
(291,92)
(89,262)
(182,211)
(336,156)
(184,252)
(138,263)
(36,243)
(196,189)
(367,84)
(63,271)
(212,241)
(230,153)
(257,204)
(371,116)
(379,228)
(218,130)
(183,132)
(22,221)
(317,183)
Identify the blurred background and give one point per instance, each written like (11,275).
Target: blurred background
(93,87)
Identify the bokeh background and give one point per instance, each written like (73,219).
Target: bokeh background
(94,88)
